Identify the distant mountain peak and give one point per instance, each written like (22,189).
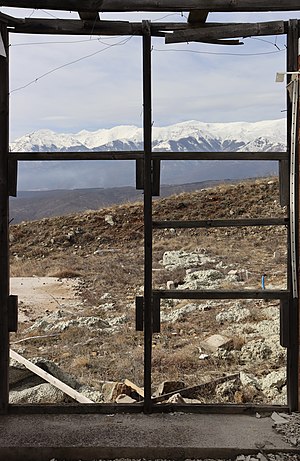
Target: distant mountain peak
(187,136)
(211,135)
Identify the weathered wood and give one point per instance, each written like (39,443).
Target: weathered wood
(12,177)
(147,128)
(198,16)
(227,31)
(49,378)
(221,294)
(220,155)
(4,212)
(77,27)
(111,408)
(92,16)
(156,5)
(49,156)
(293,349)
(138,155)
(211,223)
(12,313)
(284,180)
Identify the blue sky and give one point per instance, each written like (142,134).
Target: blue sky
(190,81)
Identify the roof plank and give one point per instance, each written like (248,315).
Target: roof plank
(227,31)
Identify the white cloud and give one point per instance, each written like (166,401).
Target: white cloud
(106,89)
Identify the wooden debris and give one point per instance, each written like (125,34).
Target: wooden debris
(195,390)
(50,379)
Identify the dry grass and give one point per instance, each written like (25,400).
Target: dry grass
(109,261)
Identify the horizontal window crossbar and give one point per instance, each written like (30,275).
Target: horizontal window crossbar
(211,223)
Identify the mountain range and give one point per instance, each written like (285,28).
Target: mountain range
(182,137)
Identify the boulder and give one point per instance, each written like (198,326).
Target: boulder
(111,390)
(41,394)
(216,342)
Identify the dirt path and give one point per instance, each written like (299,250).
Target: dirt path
(40,294)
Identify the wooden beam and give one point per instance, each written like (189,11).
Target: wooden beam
(57,156)
(221,294)
(138,155)
(156,5)
(211,223)
(4,212)
(227,31)
(77,27)
(49,378)
(261,156)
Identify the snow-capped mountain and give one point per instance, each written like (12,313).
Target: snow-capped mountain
(186,136)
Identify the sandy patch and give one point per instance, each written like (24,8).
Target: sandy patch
(40,294)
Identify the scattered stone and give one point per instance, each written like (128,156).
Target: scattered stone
(227,390)
(275,379)
(254,351)
(170,285)
(203,356)
(111,390)
(233,315)
(123,398)
(200,279)
(247,379)
(109,219)
(181,313)
(278,419)
(182,259)
(215,342)
(176,398)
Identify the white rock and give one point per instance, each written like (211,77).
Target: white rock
(275,379)
(170,285)
(182,259)
(233,315)
(201,279)
(109,219)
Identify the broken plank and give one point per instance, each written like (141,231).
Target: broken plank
(227,31)
(187,391)
(49,378)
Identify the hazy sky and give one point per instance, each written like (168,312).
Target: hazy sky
(190,81)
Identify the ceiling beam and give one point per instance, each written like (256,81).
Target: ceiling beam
(156,5)
(79,27)
(227,31)
(198,16)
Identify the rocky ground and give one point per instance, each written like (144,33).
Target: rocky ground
(232,345)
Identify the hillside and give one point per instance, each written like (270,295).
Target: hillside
(103,251)
(33,205)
